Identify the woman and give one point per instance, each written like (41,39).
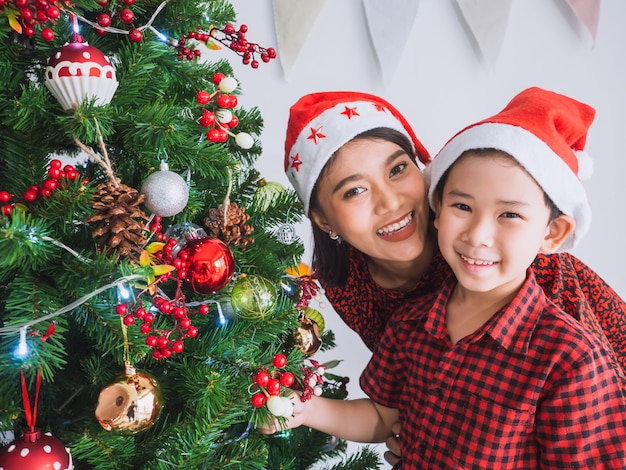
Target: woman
(353,160)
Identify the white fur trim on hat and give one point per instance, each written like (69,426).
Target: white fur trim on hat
(549,170)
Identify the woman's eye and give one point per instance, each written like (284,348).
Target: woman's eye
(398,169)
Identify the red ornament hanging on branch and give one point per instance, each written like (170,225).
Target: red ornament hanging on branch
(35,449)
(78,71)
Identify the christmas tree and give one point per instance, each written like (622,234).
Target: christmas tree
(153,302)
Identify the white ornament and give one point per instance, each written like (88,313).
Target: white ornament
(276,405)
(288,407)
(244,140)
(227,85)
(224,116)
(166,193)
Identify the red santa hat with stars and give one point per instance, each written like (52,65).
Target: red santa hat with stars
(321,123)
(546,133)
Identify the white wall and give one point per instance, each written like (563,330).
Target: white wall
(442,84)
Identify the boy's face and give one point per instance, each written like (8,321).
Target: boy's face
(492,222)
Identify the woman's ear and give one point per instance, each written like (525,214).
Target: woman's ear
(320,220)
(558,230)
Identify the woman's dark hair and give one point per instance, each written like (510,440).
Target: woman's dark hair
(331,260)
(554,210)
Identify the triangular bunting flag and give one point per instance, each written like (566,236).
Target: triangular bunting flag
(293,20)
(487,19)
(389,25)
(588,12)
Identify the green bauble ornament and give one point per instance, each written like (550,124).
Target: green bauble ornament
(253,297)
(266,194)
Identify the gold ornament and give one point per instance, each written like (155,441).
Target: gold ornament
(131,403)
(308,337)
(316,316)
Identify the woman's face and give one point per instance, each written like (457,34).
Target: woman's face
(374,196)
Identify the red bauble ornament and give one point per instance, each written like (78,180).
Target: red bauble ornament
(36,450)
(78,71)
(211,265)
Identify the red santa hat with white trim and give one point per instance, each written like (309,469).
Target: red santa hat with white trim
(321,123)
(546,133)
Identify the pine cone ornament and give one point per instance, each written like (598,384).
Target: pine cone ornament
(119,221)
(232,229)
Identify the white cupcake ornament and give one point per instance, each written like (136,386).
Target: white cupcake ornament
(78,71)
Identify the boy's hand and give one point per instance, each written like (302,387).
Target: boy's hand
(393,454)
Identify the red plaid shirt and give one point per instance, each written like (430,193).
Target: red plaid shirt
(568,282)
(532,388)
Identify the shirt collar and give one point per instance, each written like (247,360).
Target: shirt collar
(512,326)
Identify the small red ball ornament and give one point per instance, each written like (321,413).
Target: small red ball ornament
(36,450)
(211,265)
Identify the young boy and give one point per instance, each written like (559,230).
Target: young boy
(488,373)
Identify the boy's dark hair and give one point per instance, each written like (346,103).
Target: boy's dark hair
(331,259)
(554,210)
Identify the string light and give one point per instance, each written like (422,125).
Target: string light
(22,349)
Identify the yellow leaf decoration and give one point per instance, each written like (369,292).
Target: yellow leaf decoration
(301,270)
(154,247)
(160,269)
(144,258)
(213,46)
(14,23)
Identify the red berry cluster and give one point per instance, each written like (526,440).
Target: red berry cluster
(57,173)
(221,121)
(268,381)
(233,39)
(313,380)
(156,228)
(165,343)
(32,14)
(123,12)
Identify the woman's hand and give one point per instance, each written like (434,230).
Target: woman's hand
(393,454)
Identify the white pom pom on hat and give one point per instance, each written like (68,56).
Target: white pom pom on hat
(321,123)
(546,133)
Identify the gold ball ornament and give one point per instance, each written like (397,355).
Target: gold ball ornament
(253,297)
(130,403)
(308,337)
(316,316)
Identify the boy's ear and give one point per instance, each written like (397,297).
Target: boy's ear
(437,202)
(319,220)
(558,230)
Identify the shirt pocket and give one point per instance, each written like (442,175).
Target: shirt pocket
(491,435)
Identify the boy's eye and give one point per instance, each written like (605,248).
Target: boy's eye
(353,192)
(510,215)
(462,207)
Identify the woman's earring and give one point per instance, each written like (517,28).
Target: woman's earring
(336,237)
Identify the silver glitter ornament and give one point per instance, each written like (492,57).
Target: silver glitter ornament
(166,193)
(286,233)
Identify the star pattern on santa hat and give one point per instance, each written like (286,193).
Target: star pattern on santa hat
(350,112)
(379,107)
(295,162)
(316,134)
